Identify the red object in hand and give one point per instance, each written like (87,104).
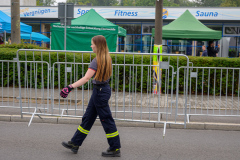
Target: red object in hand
(65,91)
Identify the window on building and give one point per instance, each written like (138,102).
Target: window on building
(232,30)
(146,43)
(35,27)
(46,30)
(234,45)
(133,43)
(147,28)
(215,27)
(131,28)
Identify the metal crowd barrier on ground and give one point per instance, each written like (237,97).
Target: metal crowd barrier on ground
(10,88)
(8,101)
(182,91)
(213,91)
(185,91)
(43,73)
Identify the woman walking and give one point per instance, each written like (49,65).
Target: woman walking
(100,70)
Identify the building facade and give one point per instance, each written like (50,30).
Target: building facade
(22,3)
(139,23)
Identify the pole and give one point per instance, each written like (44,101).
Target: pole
(158,22)
(157,46)
(124,44)
(151,45)
(65,27)
(5,37)
(117,45)
(50,40)
(15,21)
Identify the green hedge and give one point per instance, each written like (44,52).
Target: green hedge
(21,46)
(118,77)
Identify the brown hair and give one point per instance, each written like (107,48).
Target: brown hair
(104,62)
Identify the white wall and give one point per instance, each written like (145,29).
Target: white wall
(22,2)
(5,2)
(28,2)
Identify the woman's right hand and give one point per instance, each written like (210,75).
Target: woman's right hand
(65,91)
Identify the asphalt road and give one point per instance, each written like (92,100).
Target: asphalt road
(43,142)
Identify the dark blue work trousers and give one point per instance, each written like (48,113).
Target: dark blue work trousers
(98,105)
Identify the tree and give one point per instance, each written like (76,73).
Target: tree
(15,22)
(166,3)
(73,1)
(79,2)
(95,2)
(106,2)
(208,3)
(169,3)
(128,2)
(45,2)
(145,2)
(230,3)
(176,1)
(186,3)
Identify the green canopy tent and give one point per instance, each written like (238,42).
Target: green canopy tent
(187,27)
(81,31)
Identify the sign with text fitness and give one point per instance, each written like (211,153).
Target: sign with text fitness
(124,13)
(131,13)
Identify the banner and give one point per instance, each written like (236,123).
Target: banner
(156,60)
(129,12)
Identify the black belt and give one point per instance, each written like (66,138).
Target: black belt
(99,86)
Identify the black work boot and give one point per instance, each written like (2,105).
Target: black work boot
(71,146)
(109,153)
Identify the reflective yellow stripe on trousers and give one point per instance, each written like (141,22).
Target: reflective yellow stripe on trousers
(111,135)
(83,130)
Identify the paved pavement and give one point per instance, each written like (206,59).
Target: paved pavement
(135,98)
(43,141)
(140,141)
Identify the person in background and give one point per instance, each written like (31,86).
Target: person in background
(1,40)
(204,53)
(9,40)
(211,51)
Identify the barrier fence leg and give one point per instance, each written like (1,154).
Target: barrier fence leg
(32,117)
(19,82)
(188,117)
(164,129)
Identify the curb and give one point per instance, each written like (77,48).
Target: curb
(77,121)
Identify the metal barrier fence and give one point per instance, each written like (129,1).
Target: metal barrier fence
(10,85)
(7,100)
(215,91)
(184,91)
(35,78)
(43,73)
